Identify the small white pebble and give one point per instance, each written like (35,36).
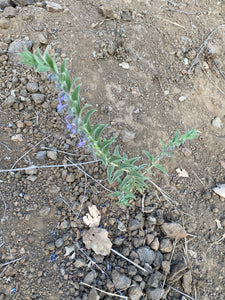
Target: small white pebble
(124,65)
(182,98)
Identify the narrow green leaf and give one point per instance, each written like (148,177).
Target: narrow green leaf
(63,66)
(110,170)
(75,94)
(68,82)
(126,181)
(150,157)
(116,151)
(116,175)
(88,114)
(42,69)
(105,145)
(98,131)
(141,167)
(55,65)
(74,80)
(83,108)
(115,159)
(48,59)
(160,167)
(127,167)
(132,160)
(116,194)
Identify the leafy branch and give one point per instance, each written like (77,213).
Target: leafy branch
(121,169)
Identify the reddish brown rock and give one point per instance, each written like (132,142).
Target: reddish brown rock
(173,230)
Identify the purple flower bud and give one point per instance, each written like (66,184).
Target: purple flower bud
(80,144)
(60,106)
(74,130)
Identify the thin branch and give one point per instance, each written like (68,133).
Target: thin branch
(77,165)
(5,146)
(130,261)
(110,294)
(3,218)
(200,51)
(68,204)
(176,290)
(83,199)
(48,166)
(64,152)
(11,261)
(29,151)
(93,262)
(181,11)
(168,198)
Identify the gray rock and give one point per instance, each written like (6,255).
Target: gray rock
(65,224)
(44,211)
(154,294)
(134,225)
(146,255)
(132,271)
(38,98)
(120,281)
(52,155)
(90,277)
(4,3)
(158,259)
(54,189)
(41,155)
(50,246)
(3,47)
(135,293)
(16,47)
(155,244)
(110,285)
(59,243)
(166,246)
(154,279)
(216,122)
(4,23)
(93,295)
(53,7)
(31,171)
(9,102)
(79,263)
(9,12)
(127,136)
(32,87)
(23,2)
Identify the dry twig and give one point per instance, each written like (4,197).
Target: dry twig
(104,292)
(130,261)
(200,51)
(11,261)
(47,166)
(3,218)
(29,150)
(77,165)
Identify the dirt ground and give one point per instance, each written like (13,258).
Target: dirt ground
(150,68)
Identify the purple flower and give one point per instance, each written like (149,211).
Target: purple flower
(69,125)
(74,130)
(80,144)
(60,106)
(53,257)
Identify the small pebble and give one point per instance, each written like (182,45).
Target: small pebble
(216,122)
(52,155)
(44,211)
(182,98)
(59,243)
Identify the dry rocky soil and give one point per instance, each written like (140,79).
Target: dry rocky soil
(150,68)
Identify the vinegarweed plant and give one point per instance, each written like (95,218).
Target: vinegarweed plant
(130,176)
